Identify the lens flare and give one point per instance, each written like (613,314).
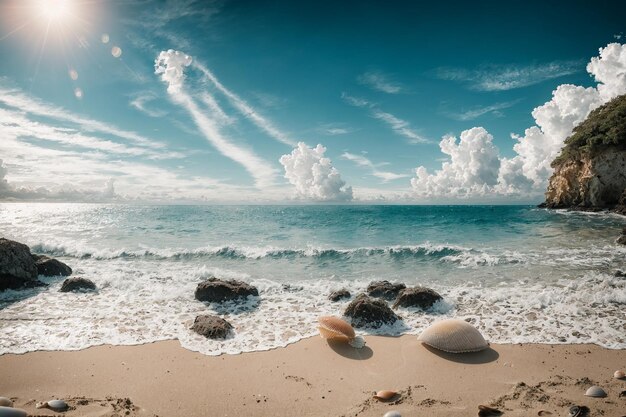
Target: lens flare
(105,38)
(116,51)
(73,74)
(78,93)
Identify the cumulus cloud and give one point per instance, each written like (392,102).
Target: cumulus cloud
(64,192)
(313,175)
(472,169)
(528,171)
(170,65)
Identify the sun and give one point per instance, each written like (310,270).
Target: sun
(54,11)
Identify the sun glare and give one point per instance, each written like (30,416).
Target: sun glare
(54,10)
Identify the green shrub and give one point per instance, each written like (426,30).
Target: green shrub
(604,127)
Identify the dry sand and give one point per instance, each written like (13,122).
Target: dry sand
(316,378)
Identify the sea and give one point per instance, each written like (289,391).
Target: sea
(520,274)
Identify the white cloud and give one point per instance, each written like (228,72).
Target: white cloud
(246,110)
(334,129)
(609,70)
(362,161)
(379,82)
(500,77)
(472,170)
(528,171)
(399,126)
(15,98)
(313,175)
(139,102)
(170,65)
(476,112)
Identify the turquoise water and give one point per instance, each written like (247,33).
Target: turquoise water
(520,274)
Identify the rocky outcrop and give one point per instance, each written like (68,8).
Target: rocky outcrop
(339,295)
(217,290)
(211,327)
(77,284)
(49,267)
(590,172)
(17,267)
(384,289)
(419,297)
(589,182)
(621,239)
(368,312)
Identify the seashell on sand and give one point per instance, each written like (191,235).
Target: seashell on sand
(56,405)
(385,395)
(595,391)
(6,402)
(12,412)
(619,374)
(453,336)
(544,413)
(332,327)
(392,413)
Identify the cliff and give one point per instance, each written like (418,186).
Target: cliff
(590,172)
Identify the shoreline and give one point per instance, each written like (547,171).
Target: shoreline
(313,377)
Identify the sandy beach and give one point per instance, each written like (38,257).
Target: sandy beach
(315,377)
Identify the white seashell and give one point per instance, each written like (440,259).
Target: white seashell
(12,412)
(385,395)
(392,413)
(595,391)
(56,405)
(619,374)
(454,336)
(6,402)
(333,327)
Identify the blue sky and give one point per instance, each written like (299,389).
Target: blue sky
(377,85)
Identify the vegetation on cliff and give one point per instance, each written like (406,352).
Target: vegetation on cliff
(604,127)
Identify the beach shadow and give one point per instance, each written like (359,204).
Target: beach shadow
(469,358)
(12,296)
(344,349)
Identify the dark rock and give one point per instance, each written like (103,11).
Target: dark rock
(619,274)
(338,295)
(368,312)
(217,290)
(621,239)
(49,267)
(77,284)
(212,327)
(384,289)
(417,297)
(17,267)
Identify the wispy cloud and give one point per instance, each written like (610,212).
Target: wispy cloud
(334,129)
(15,98)
(245,109)
(140,100)
(399,126)
(362,161)
(478,111)
(508,77)
(379,82)
(170,65)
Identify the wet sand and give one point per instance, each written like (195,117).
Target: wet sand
(315,377)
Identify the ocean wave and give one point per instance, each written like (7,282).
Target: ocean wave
(425,250)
